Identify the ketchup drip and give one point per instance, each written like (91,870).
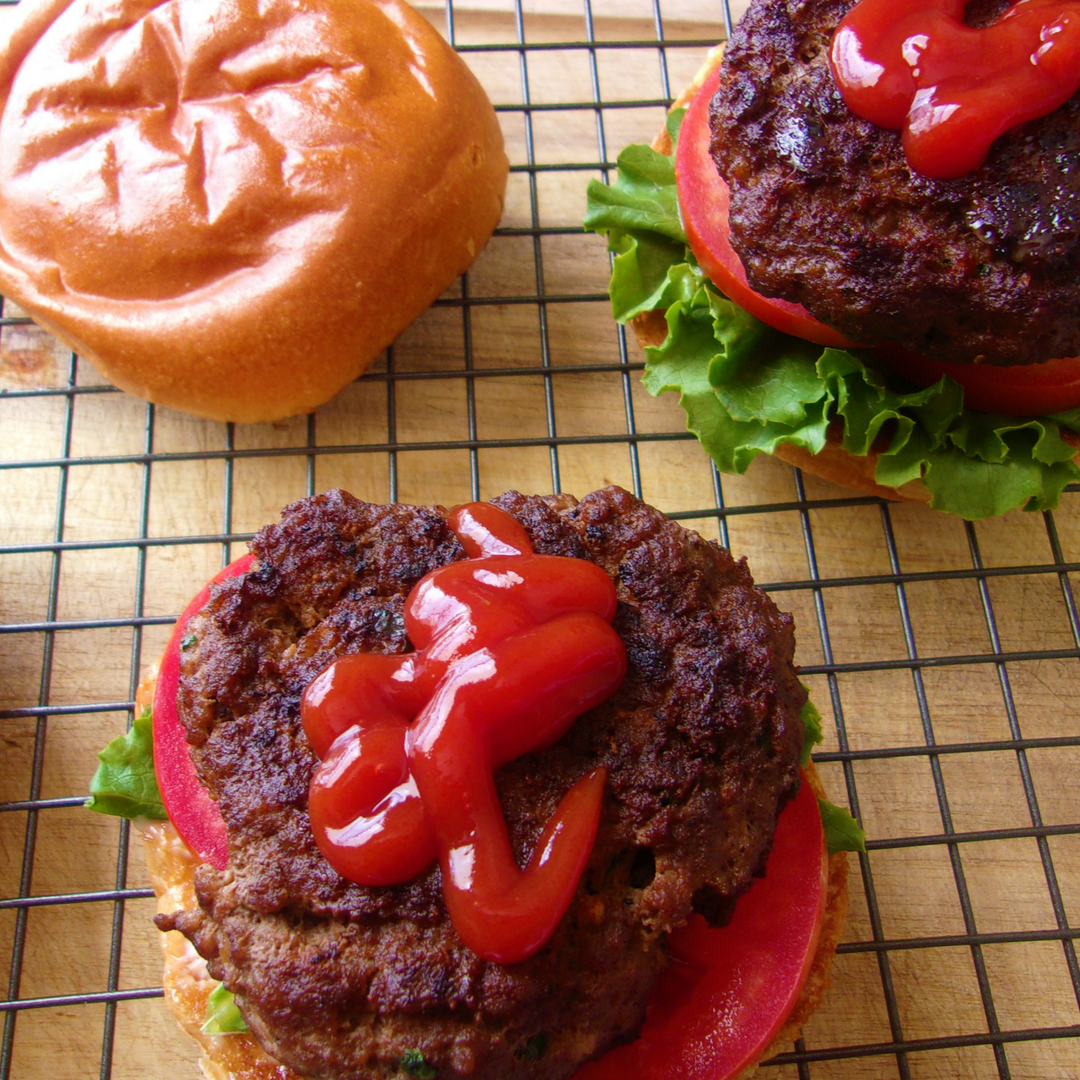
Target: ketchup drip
(511,648)
(951,88)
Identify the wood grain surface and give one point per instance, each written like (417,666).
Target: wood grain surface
(962,912)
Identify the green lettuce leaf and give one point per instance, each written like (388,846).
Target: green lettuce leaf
(1070,420)
(125,784)
(642,271)
(842,832)
(746,388)
(813,736)
(222,1014)
(643,197)
(413,1064)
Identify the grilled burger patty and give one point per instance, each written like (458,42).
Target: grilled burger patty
(825,211)
(701,744)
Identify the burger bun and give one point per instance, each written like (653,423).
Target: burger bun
(233,210)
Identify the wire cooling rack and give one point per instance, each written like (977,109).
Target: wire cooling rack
(944,655)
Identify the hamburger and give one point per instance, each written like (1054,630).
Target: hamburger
(810,293)
(233,210)
(699,746)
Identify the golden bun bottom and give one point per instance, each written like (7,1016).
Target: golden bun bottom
(186,981)
(832,462)
(819,978)
(258,205)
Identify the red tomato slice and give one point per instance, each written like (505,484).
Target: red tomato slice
(704,199)
(1016,390)
(190,808)
(727,992)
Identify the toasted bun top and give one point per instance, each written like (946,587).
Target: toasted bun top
(232,207)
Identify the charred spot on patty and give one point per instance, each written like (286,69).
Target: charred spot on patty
(701,746)
(825,211)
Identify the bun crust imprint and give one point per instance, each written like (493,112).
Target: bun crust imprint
(232,209)
(338,564)
(832,463)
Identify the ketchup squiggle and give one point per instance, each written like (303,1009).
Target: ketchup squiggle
(511,648)
(951,88)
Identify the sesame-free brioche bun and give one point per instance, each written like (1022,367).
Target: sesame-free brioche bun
(188,985)
(232,207)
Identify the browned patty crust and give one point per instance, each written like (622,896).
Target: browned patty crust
(701,744)
(825,211)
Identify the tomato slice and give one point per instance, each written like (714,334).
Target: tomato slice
(1016,390)
(727,992)
(704,200)
(191,810)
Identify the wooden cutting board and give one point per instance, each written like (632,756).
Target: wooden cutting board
(1001,875)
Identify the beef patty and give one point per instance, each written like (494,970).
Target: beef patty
(701,745)
(826,212)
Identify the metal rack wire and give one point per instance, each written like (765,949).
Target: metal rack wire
(800,533)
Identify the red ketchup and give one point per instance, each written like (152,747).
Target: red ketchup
(511,647)
(953,89)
